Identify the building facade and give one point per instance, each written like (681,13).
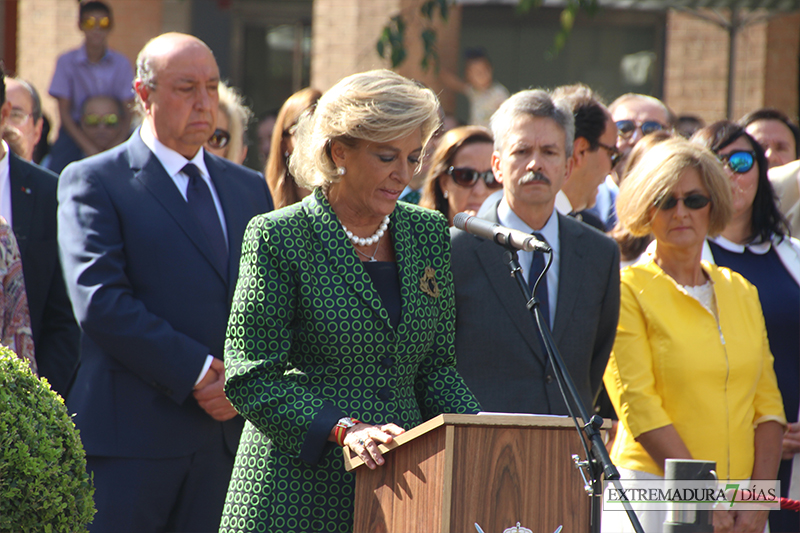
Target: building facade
(270,48)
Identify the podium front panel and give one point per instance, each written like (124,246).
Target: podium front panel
(406,493)
(531,479)
(456,470)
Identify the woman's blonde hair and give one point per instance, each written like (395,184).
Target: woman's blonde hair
(655,176)
(449,145)
(376,106)
(281,183)
(239,115)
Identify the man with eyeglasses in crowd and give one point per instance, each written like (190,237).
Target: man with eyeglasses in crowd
(28,203)
(23,128)
(93,69)
(594,153)
(499,351)
(635,115)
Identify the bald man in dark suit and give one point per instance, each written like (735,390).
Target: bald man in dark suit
(151,233)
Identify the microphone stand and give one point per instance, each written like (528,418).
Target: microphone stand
(591,426)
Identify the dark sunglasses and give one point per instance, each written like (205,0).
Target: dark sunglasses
(91,22)
(111,120)
(693,201)
(613,152)
(740,161)
(468,177)
(625,128)
(219,139)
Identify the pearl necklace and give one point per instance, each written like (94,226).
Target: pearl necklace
(356,240)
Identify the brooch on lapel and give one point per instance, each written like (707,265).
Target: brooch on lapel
(428,284)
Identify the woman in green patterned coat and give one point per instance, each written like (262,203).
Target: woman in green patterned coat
(344,311)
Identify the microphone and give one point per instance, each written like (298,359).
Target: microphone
(499,234)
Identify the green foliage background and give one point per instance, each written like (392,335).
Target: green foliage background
(391,42)
(44,486)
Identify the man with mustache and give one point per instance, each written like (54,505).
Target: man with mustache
(499,350)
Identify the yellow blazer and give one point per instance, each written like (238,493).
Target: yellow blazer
(673,363)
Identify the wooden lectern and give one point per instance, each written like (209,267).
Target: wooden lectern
(455,470)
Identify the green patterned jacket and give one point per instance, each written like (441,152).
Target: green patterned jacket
(309,342)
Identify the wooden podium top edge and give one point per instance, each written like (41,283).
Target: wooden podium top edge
(352,461)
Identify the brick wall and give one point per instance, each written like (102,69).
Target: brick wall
(45,30)
(343,38)
(447,43)
(781,79)
(345,33)
(3,7)
(696,66)
(137,21)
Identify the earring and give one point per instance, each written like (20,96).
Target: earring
(286,154)
(445,194)
(341,171)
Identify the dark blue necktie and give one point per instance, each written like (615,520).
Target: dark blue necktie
(537,266)
(198,196)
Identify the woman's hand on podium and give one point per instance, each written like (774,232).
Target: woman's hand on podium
(363,439)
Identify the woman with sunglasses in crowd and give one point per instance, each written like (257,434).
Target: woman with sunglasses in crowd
(755,243)
(285,191)
(460,176)
(691,374)
(228,140)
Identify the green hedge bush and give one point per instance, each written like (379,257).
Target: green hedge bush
(44,486)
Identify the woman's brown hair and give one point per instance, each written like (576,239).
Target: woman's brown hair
(281,183)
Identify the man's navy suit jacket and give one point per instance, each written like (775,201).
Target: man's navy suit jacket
(149,300)
(33,219)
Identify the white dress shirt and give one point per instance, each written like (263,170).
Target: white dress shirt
(508,218)
(563,205)
(5,185)
(173,163)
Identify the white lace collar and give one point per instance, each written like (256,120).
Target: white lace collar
(759,248)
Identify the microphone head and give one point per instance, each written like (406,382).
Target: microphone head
(460,221)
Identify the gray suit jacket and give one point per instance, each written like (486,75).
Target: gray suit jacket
(499,352)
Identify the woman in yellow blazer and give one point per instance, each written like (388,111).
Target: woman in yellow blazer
(691,374)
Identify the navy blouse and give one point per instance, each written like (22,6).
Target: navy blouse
(385,281)
(780,303)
